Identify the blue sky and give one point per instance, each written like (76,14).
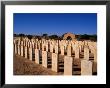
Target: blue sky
(55,23)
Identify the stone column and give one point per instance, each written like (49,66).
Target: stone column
(44,59)
(37,58)
(68,50)
(86,67)
(25,51)
(86,53)
(55,62)
(68,63)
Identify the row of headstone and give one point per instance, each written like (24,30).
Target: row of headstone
(49,46)
(86,65)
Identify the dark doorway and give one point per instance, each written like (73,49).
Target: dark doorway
(69,38)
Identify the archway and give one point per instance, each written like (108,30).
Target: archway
(69,36)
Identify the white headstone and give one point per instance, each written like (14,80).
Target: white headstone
(15,48)
(37,58)
(47,47)
(86,53)
(68,50)
(51,48)
(68,63)
(86,67)
(25,51)
(22,50)
(55,62)
(18,49)
(30,53)
(44,59)
(62,50)
(76,52)
(56,48)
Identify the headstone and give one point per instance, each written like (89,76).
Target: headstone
(62,50)
(76,51)
(86,67)
(25,51)
(39,45)
(44,59)
(86,53)
(47,47)
(68,63)
(30,53)
(56,49)
(37,58)
(95,55)
(55,62)
(42,47)
(21,50)
(15,48)
(80,49)
(68,50)
(36,47)
(18,49)
(51,48)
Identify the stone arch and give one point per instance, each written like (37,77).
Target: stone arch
(69,35)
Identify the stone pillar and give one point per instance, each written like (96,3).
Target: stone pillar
(86,53)
(62,49)
(25,51)
(86,67)
(37,58)
(76,52)
(55,62)
(44,59)
(30,53)
(68,50)
(68,63)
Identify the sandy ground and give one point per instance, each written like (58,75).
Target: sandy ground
(23,66)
